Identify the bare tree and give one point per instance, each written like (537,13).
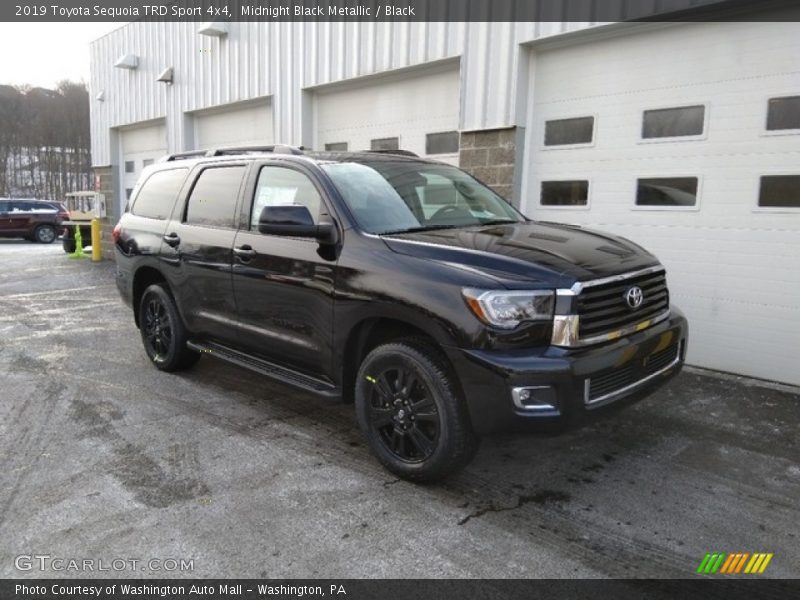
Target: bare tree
(44,140)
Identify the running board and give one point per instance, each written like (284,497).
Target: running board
(271,370)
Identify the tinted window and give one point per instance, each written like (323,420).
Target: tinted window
(336,147)
(673,122)
(278,186)
(158,194)
(565,193)
(4,206)
(38,207)
(129,166)
(385,144)
(666,191)
(783,113)
(569,131)
(21,206)
(781,191)
(441,143)
(213,198)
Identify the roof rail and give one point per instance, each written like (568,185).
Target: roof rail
(398,152)
(275,149)
(182,155)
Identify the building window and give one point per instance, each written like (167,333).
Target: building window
(441,143)
(562,132)
(147,162)
(667,191)
(392,143)
(130,166)
(565,193)
(158,193)
(673,122)
(783,113)
(213,198)
(779,191)
(336,147)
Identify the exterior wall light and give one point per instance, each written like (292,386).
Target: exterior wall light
(214,29)
(167,76)
(127,61)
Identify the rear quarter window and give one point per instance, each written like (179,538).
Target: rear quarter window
(158,194)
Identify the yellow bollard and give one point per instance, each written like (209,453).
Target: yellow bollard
(97,253)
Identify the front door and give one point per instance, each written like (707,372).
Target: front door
(284,285)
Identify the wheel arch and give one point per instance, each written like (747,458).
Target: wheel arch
(144,277)
(373,331)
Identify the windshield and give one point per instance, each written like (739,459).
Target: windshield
(396,197)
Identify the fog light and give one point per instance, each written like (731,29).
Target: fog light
(535,398)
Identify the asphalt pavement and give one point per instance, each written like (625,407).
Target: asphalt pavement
(104,458)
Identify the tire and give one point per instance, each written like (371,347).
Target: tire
(422,433)
(163,333)
(44,234)
(68,245)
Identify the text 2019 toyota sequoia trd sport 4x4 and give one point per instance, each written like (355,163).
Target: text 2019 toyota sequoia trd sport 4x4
(402,284)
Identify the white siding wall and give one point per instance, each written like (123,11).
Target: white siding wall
(281,59)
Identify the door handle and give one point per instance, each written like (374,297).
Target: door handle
(244,252)
(172,239)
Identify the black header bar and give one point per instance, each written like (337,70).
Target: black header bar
(397,589)
(393,10)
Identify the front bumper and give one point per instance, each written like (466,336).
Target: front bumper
(577,384)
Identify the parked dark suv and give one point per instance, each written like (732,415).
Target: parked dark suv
(34,220)
(402,284)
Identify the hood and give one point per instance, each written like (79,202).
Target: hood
(525,253)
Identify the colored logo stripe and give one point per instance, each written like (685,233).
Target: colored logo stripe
(734,562)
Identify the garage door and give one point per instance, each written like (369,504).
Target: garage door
(236,125)
(141,146)
(418,112)
(685,139)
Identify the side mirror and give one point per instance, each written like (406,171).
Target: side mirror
(295,221)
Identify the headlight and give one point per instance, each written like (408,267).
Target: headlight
(507,309)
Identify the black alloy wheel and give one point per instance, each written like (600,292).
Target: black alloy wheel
(157,330)
(163,334)
(403,413)
(411,410)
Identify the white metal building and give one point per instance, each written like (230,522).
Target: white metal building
(684,137)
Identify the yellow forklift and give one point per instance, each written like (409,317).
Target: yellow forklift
(82,207)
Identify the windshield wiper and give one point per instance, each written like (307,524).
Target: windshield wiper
(421,228)
(499,222)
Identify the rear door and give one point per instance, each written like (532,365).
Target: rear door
(198,242)
(284,285)
(20,216)
(5,221)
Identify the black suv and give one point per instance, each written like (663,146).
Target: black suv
(402,284)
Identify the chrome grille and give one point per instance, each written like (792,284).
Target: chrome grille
(603,308)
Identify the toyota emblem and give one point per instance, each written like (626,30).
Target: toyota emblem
(634,297)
